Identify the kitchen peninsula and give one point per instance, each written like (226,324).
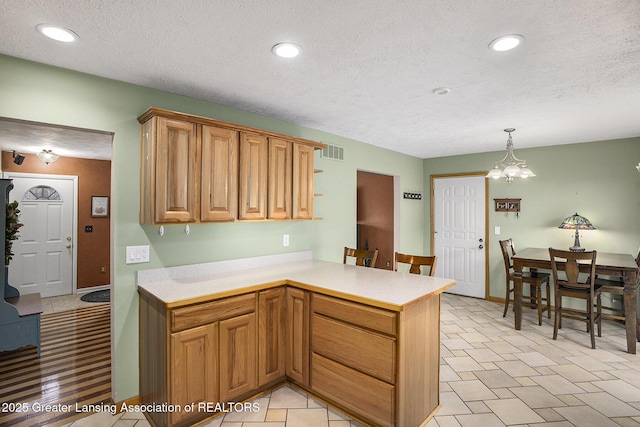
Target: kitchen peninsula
(365,340)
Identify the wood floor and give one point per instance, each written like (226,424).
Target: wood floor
(74,368)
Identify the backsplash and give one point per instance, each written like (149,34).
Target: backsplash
(205,269)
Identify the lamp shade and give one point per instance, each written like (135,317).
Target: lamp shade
(576,222)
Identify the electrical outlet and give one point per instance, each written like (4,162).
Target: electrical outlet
(285,240)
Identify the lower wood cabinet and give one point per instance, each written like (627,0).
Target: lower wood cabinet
(379,365)
(271,335)
(238,357)
(354,390)
(297,361)
(194,369)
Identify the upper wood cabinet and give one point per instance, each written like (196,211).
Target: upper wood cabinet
(302,181)
(219,195)
(280,178)
(195,169)
(169,181)
(254,151)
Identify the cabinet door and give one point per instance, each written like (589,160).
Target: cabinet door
(193,369)
(219,177)
(297,362)
(254,153)
(302,181)
(176,171)
(271,335)
(280,169)
(238,357)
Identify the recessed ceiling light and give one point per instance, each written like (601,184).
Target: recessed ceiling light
(286,50)
(505,43)
(440,91)
(57,33)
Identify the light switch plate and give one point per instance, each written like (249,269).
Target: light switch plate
(496,230)
(137,254)
(285,240)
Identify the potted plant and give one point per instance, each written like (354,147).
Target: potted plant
(12,226)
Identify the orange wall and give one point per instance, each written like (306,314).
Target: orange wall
(375,215)
(94,179)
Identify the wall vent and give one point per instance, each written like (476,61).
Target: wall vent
(334,152)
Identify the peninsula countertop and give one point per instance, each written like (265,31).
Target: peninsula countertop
(387,289)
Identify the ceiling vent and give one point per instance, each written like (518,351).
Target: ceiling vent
(333,152)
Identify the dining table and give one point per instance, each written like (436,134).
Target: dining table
(609,264)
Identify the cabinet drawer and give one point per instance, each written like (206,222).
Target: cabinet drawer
(368,352)
(354,390)
(201,314)
(359,314)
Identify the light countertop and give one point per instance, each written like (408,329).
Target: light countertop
(382,288)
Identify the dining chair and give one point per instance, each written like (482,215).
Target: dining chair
(416,261)
(614,287)
(570,286)
(364,257)
(535,280)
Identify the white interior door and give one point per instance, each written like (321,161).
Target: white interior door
(459,228)
(44,254)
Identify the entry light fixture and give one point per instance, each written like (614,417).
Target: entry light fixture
(576,222)
(18,158)
(57,33)
(47,156)
(510,166)
(286,50)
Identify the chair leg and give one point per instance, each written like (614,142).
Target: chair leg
(548,301)
(539,302)
(599,315)
(506,301)
(590,324)
(558,317)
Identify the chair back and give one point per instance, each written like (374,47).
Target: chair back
(508,251)
(364,257)
(567,261)
(416,262)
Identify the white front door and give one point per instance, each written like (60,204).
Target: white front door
(43,259)
(459,233)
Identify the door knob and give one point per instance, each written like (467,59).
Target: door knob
(68,238)
(68,245)
(480,247)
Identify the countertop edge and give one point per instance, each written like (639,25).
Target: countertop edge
(301,285)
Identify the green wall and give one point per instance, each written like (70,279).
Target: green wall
(31,91)
(596,179)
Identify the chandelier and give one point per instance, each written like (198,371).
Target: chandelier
(510,166)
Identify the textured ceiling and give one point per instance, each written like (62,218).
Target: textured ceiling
(368,67)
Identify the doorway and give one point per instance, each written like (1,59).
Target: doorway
(376,216)
(45,253)
(459,230)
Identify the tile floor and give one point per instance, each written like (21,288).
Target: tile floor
(64,302)
(491,375)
